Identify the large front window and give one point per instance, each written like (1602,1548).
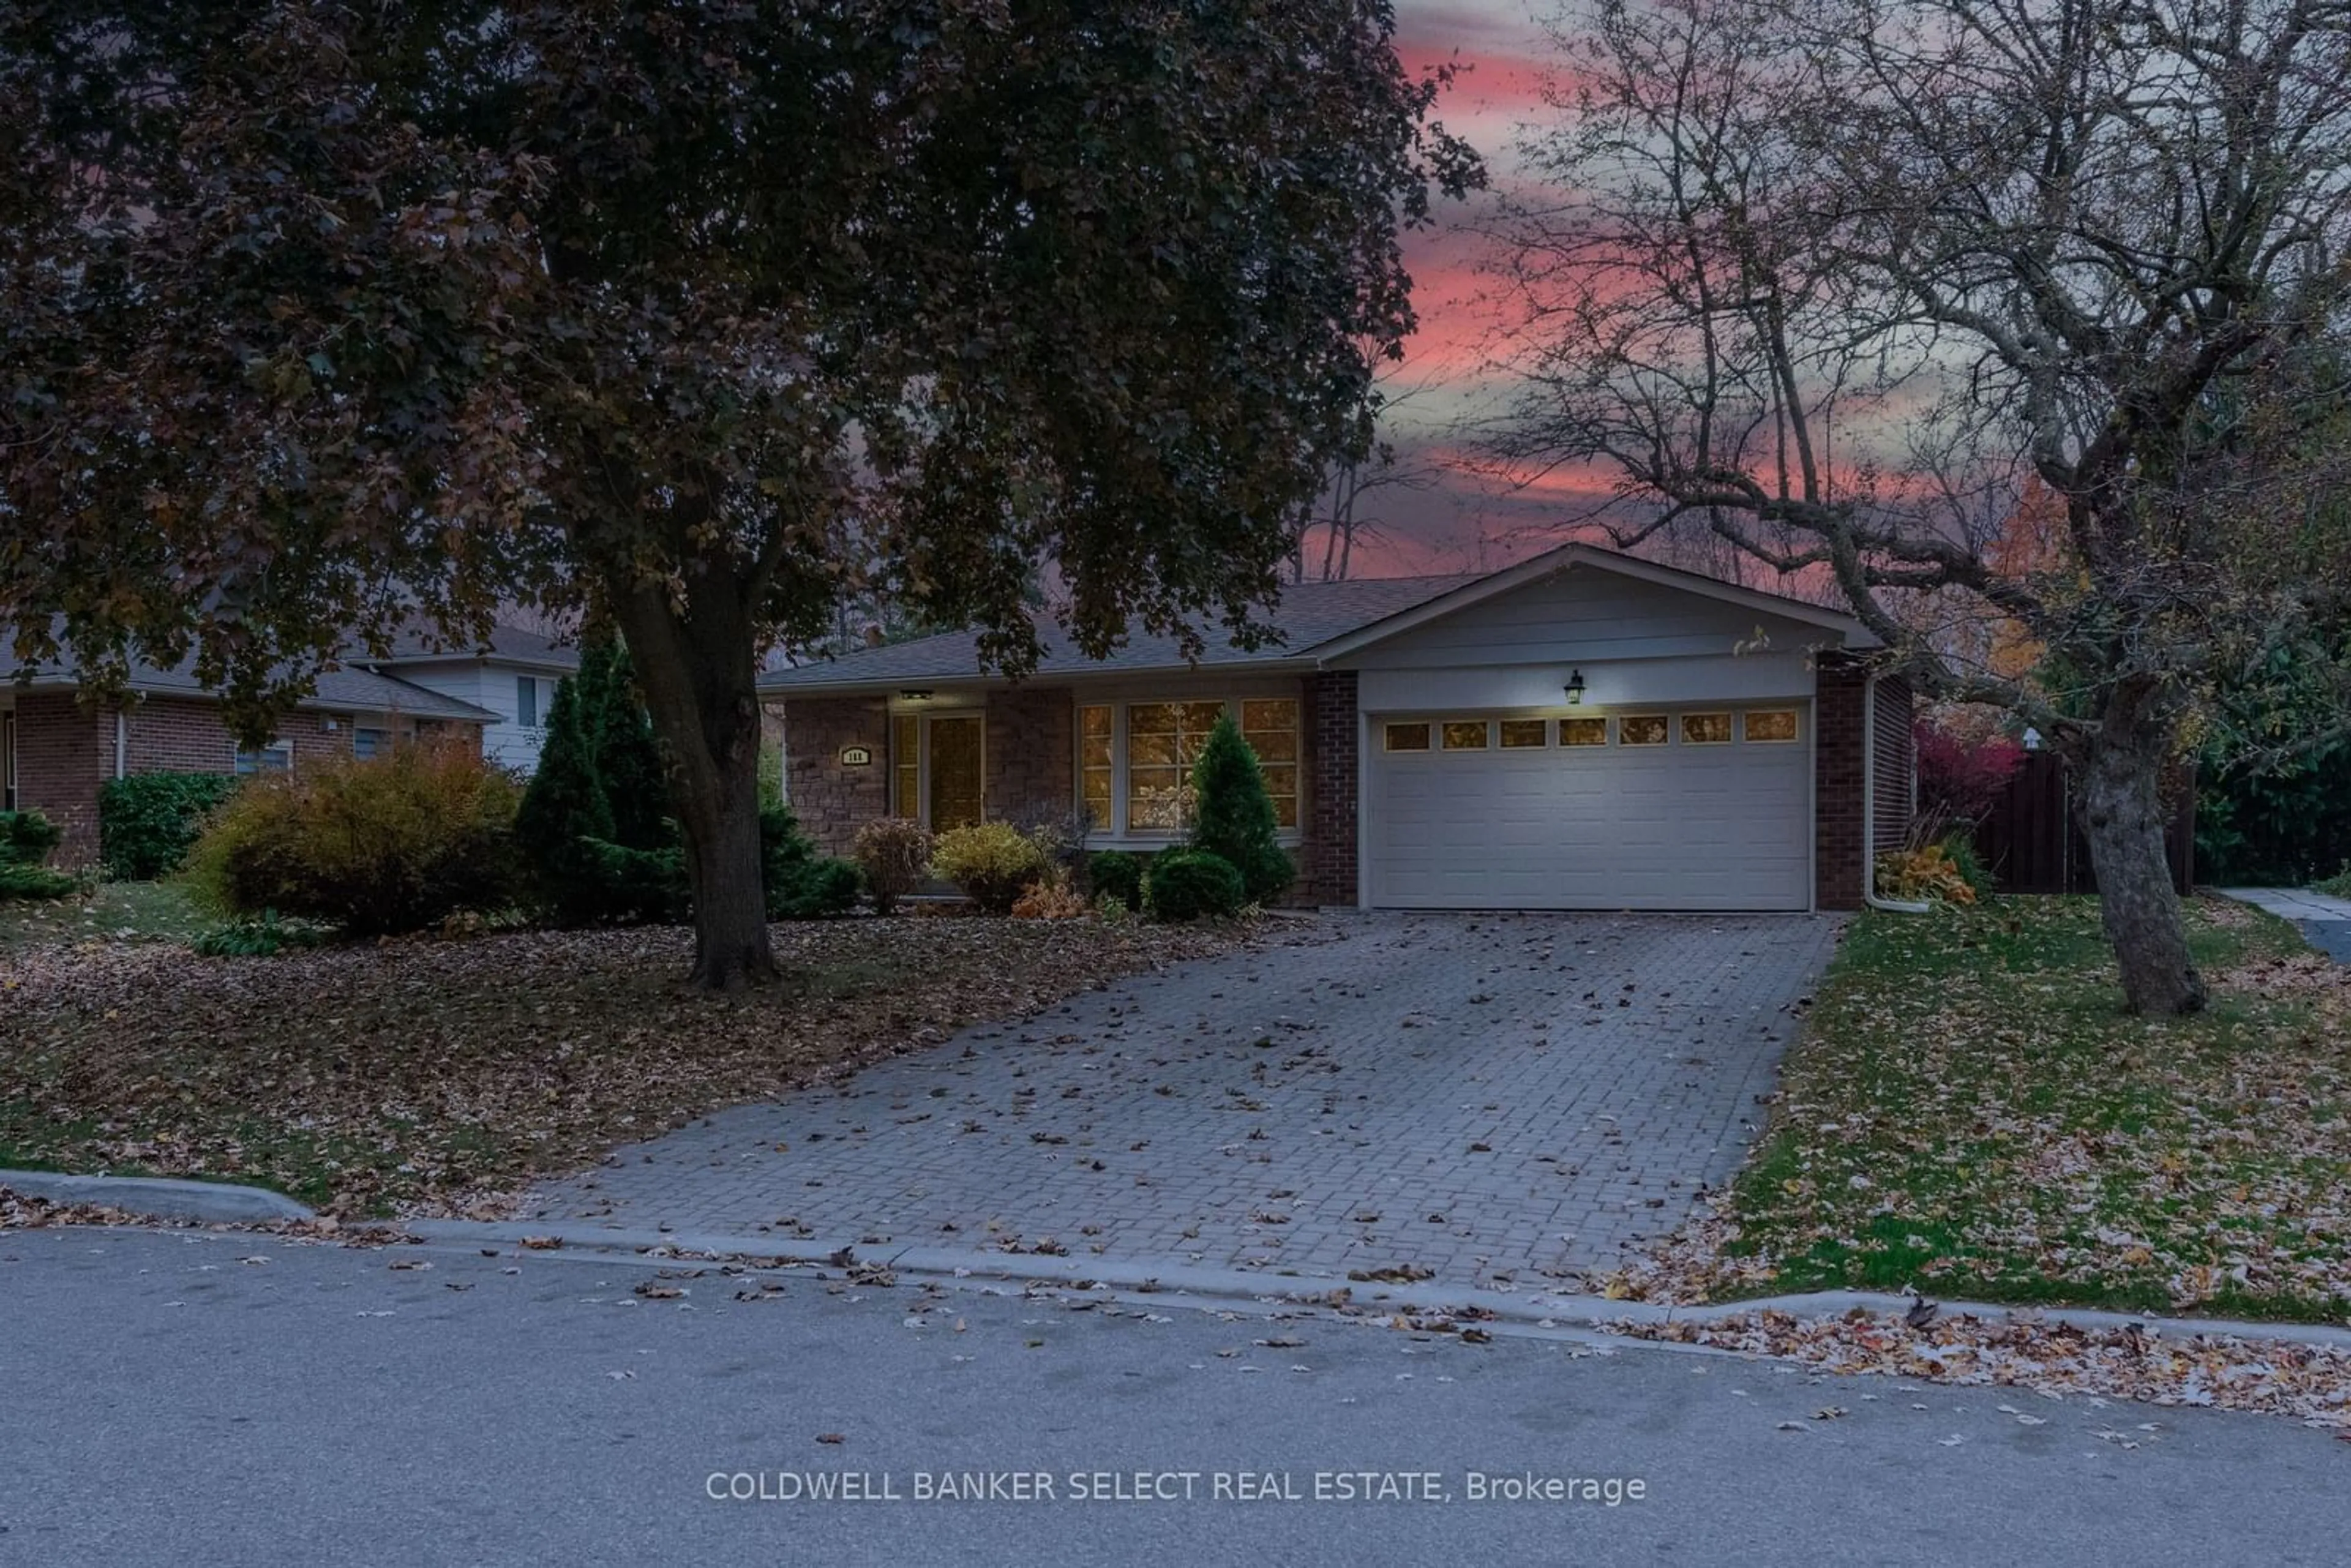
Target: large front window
(1134,759)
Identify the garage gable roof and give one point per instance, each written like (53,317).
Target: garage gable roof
(1477,590)
(1313,625)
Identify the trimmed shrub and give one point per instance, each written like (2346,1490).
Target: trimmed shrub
(381,847)
(1114,873)
(1233,816)
(894,853)
(992,863)
(800,884)
(147,821)
(1186,885)
(27,837)
(25,840)
(33,882)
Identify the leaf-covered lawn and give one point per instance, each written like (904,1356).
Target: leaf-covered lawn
(437,1076)
(110,912)
(1971,1113)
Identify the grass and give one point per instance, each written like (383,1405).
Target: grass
(1971,1112)
(446,1075)
(110,912)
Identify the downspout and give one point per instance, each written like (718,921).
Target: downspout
(1869,807)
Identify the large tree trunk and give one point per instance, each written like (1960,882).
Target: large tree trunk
(700,685)
(2121,810)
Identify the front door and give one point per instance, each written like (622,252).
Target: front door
(957,780)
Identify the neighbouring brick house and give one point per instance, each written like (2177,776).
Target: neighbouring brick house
(56,750)
(1583,731)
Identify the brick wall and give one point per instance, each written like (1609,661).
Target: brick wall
(830,800)
(1030,753)
(59,761)
(1840,752)
(1327,856)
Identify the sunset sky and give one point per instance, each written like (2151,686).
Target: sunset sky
(1460,523)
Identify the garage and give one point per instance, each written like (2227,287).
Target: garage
(1698,807)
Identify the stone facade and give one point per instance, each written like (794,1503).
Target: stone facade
(1030,753)
(1327,858)
(831,799)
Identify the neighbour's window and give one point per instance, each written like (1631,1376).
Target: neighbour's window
(527,701)
(1584,732)
(1094,762)
(906,765)
(1162,741)
(277,756)
(1706,729)
(1769,724)
(1270,724)
(1525,732)
(1407,737)
(367,744)
(1641,729)
(1463,734)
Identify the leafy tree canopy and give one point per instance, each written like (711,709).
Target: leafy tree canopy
(318,310)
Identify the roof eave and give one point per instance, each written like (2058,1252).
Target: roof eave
(1289,665)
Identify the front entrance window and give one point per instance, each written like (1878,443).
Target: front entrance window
(936,774)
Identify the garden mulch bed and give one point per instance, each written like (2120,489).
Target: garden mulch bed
(441,1077)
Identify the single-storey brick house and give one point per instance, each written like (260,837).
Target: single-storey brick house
(1585,730)
(54,750)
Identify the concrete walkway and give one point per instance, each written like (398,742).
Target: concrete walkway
(2324,920)
(1480,1097)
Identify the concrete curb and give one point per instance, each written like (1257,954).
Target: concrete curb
(213,1202)
(1201,1284)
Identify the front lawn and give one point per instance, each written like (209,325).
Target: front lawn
(1970,1112)
(109,912)
(440,1075)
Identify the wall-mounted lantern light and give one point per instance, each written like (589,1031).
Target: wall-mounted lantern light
(1574,687)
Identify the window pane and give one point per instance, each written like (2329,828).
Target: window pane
(1152,749)
(1094,721)
(369,744)
(1273,745)
(1269,713)
(1642,729)
(905,765)
(1155,799)
(527,702)
(1523,732)
(1201,717)
(1584,732)
(1770,724)
(1151,719)
(1407,737)
(1465,735)
(1706,728)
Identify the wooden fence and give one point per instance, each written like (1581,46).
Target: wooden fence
(2030,843)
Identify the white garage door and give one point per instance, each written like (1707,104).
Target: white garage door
(1671,809)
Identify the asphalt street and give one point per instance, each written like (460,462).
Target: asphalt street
(195,1399)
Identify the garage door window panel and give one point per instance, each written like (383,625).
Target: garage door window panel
(1642,729)
(1775,726)
(1706,729)
(1525,734)
(1407,737)
(1584,732)
(1463,734)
